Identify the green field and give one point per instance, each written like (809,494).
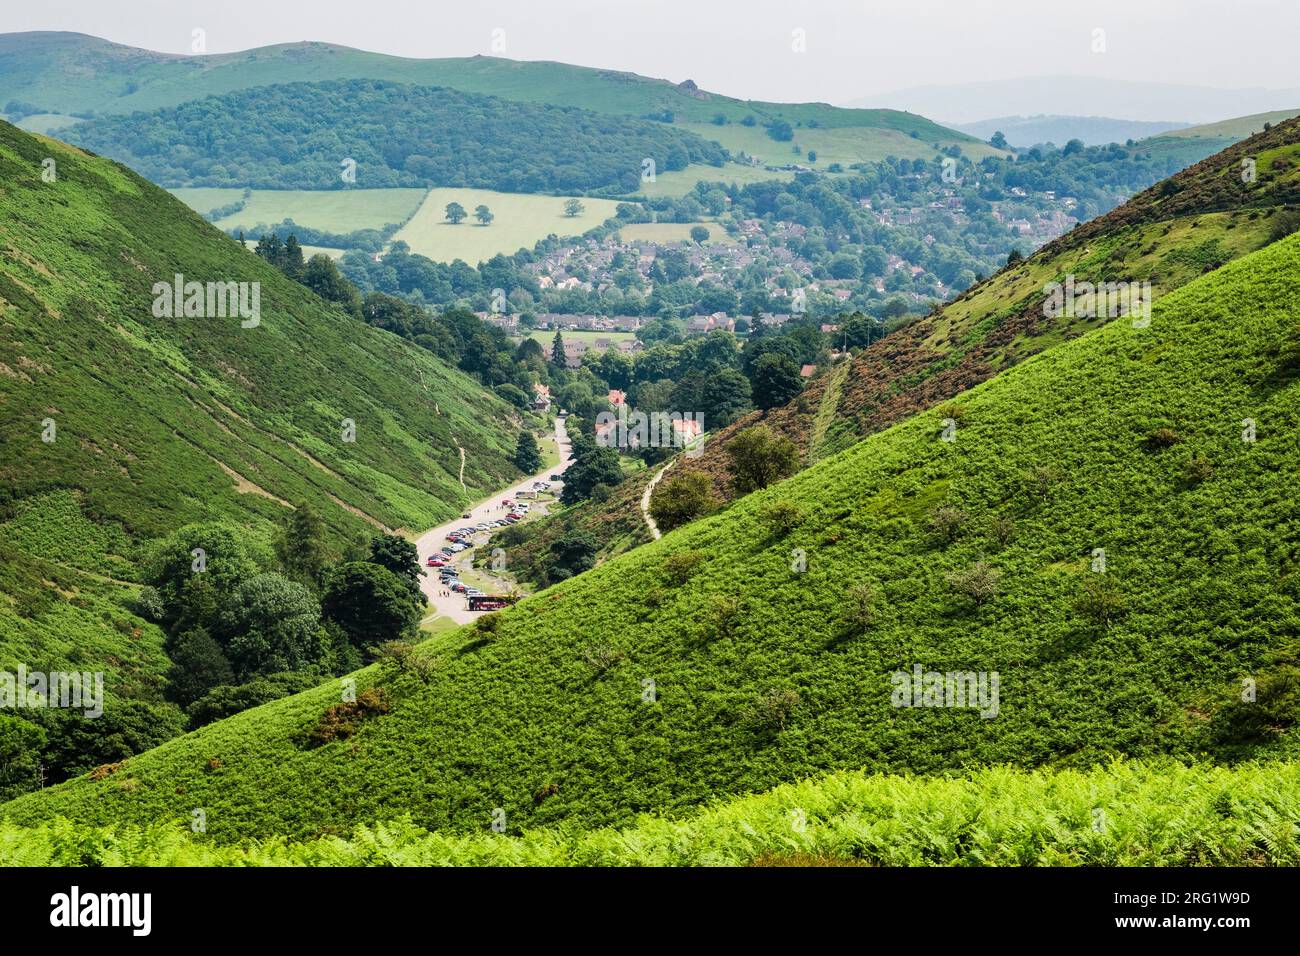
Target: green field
(579,335)
(44,122)
(339,211)
(521,220)
(679,182)
(844,145)
(675,232)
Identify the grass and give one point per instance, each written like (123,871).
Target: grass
(675,232)
(677,183)
(1122,814)
(1239,127)
(546,338)
(521,220)
(844,145)
(338,211)
(545,716)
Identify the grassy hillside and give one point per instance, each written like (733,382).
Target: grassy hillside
(156,422)
(74,73)
(1160,814)
(1126,439)
(329,210)
(1201,218)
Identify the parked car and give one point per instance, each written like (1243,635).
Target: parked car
(458,586)
(465,515)
(473,592)
(434,562)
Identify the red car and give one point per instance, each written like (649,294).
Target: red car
(514,514)
(435,563)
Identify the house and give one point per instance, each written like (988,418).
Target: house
(808,371)
(541,397)
(616,397)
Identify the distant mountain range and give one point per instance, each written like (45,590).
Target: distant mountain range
(1082,96)
(1092,130)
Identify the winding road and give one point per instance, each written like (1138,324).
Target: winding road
(453,605)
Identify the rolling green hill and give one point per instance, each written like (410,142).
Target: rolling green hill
(78,74)
(118,426)
(775,632)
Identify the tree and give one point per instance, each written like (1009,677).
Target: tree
(598,466)
(1014,256)
(780,130)
(528,457)
(775,380)
(322,276)
(483,215)
(455,213)
(682,500)
(300,547)
(195,568)
(979,582)
(725,397)
(700,235)
(21,743)
(573,207)
(572,554)
(271,624)
(557,350)
(371,604)
(760,457)
(999,141)
(398,555)
(198,665)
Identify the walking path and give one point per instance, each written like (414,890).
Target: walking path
(645,500)
(445,603)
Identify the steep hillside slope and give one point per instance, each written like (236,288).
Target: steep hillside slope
(763,645)
(70,73)
(120,426)
(1197,220)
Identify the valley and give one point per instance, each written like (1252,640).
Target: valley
(316,369)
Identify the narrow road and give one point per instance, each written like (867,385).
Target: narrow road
(453,605)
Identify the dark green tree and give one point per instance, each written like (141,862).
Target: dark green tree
(760,457)
(528,457)
(371,604)
(775,381)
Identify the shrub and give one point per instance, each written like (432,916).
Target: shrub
(1041,480)
(681,500)
(1163,438)
(602,656)
(948,522)
(782,517)
(979,582)
(148,604)
(860,607)
(1001,529)
(1197,469)
(773,708)
(679,567)
(724,615)
(760,457)
(1099,600)
(343,720)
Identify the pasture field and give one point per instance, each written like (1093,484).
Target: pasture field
(675,232)
(679,182)
(845,144)
(580,335)
(331,210)
(521,220)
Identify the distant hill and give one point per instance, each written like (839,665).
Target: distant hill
(1092,130)
(713,663)
(70,73)
(1081,96)
(297,135)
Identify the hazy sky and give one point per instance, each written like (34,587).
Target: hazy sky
(743,48)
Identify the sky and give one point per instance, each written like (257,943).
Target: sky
(747,48)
